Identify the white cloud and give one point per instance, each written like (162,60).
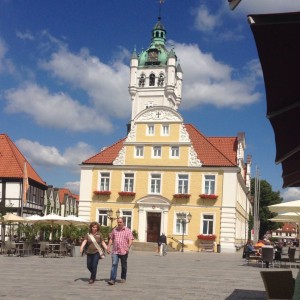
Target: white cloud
(290,194)
(55,110)
(106,85)
(48,156)
(73,186)
(6,64)
(27,35)
(207,81)
(204,20)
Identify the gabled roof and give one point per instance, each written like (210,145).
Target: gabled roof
(212,151)
(108,155)
(66,193)
(12,162)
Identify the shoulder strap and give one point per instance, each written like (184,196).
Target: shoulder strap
(96,244)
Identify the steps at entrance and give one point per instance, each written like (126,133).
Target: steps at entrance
(144,246)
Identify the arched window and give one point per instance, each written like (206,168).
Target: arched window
(157,34)
(152,80)
(142,80)
(161,79)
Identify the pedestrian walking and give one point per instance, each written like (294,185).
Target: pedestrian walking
(162,245)
(121,239)
(92,246)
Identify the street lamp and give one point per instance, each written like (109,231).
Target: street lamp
(110,215)
(183,218)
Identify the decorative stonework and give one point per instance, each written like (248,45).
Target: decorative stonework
(194,161)
(120,159)
(158,115)
(184,136)
(131,137)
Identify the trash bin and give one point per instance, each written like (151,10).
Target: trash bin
(219,248)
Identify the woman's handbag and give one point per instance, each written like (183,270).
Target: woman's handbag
(102,255)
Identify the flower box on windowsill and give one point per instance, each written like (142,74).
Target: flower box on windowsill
(208,196)
(206,237)
(128,194)
(100,193)
(182,196)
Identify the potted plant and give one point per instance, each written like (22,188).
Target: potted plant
(102,193)
(128,194)
(208,196)
(181,196)
(206,237)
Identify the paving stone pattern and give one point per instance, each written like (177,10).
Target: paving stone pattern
(177,275)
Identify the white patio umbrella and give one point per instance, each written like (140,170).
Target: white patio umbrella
(285,207)
(77,221)
(286,217)
(12,218)
(33,218)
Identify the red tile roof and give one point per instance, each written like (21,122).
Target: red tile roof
(212,151)
(62,192)
(12,161)
(108,155)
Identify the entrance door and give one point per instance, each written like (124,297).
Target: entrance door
(153,226)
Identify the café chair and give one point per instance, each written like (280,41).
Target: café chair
(62,250)
(10,248)
(267,256)
(278,284)
(44,248)
(290,256)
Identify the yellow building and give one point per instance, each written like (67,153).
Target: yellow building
(165,175)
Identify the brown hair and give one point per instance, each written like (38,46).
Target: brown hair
(92,225)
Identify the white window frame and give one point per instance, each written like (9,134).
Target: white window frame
(156,151)
(126,217)
(128,177)
(182,183)
(178,225)
(102,216)
(174,152)
(208,229)
(139,151)
(165,129)
(106,186)
(150,130)
(154,179)
(209,184)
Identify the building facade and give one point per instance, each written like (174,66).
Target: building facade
(165,175)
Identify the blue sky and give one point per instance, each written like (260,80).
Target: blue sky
(64,73)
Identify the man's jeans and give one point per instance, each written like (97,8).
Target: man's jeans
(114,268)
(92,264)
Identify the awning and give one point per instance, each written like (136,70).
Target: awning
(277,38)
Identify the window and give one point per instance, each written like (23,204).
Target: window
(104,181)
(208,224)
(180,227)
(210,181)
(155,183)
(157,151)
(127,217)
(128,182)
(183,183)
(160,81)
(152,80)
(175,151)
(139,151)
(150,129)
(142,80)
(102,219)
(165,129)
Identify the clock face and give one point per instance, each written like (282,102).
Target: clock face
(152,55)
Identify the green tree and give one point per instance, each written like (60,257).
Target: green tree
(267,197)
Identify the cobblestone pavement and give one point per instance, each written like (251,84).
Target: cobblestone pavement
(187,275)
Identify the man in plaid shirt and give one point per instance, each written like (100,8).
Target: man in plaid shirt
(121,238)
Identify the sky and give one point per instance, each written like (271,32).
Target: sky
(64,75)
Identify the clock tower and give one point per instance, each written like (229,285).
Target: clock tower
(155,75)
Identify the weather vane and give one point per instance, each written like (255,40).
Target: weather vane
(161,2)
